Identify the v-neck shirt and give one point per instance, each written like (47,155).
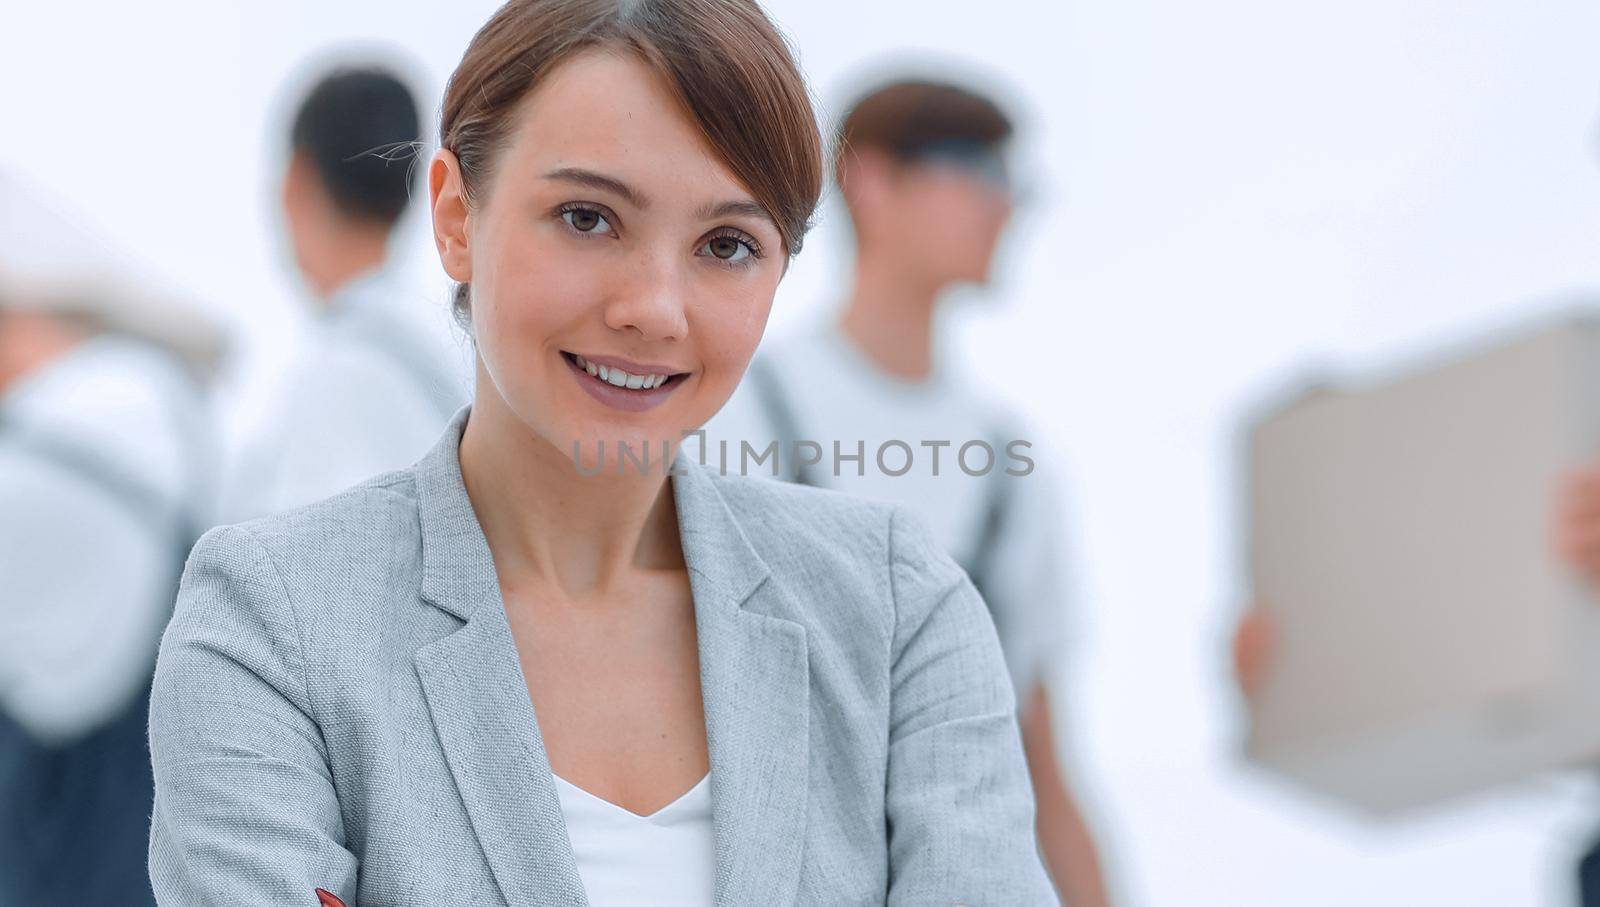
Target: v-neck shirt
(666,858)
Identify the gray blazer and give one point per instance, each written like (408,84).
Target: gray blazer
(339,704)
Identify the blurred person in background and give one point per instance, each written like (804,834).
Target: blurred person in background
(105,474)
(923,170)
(371,388)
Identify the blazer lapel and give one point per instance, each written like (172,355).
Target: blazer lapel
(755,684)
(479,700)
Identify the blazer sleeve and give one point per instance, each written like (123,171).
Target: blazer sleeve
(245,808)
(960,805)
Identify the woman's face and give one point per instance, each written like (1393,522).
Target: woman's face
(608,240)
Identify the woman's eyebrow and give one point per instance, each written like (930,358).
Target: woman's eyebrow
(741,208)
(600,181)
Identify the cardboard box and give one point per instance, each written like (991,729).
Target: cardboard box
(1429,643)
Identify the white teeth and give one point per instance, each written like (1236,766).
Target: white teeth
(618,377)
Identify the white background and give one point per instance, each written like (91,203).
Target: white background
(1225,192)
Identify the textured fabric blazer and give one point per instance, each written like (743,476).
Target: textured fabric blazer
(339,704)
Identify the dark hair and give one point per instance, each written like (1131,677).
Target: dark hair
(732,69)
(908,116)
(359,127)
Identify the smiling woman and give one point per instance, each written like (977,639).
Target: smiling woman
(656,167)
(500,677)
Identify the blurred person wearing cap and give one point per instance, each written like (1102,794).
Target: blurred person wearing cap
(923,172)
(105,477)
(371,387)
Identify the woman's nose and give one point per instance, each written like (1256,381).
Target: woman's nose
(652,301)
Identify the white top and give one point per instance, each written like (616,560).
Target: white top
(837,394)
(664,859)
(101,466)
(370,390)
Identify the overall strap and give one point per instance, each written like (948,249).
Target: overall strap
(133,494)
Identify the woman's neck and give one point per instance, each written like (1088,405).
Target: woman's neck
(889,317)
(548,525)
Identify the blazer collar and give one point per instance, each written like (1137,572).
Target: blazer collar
(754,676)
(454,551)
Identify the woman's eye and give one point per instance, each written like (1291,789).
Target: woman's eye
(727,248)
(586,220)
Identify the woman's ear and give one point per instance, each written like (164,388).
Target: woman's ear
(446,196)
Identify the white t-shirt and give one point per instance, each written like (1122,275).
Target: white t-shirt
(835,394)
(103,465)
(665,859)
(371,390)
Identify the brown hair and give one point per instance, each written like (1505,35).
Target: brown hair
(732,69)
(905,116)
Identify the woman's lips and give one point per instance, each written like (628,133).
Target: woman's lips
(628,365)
(622,398)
